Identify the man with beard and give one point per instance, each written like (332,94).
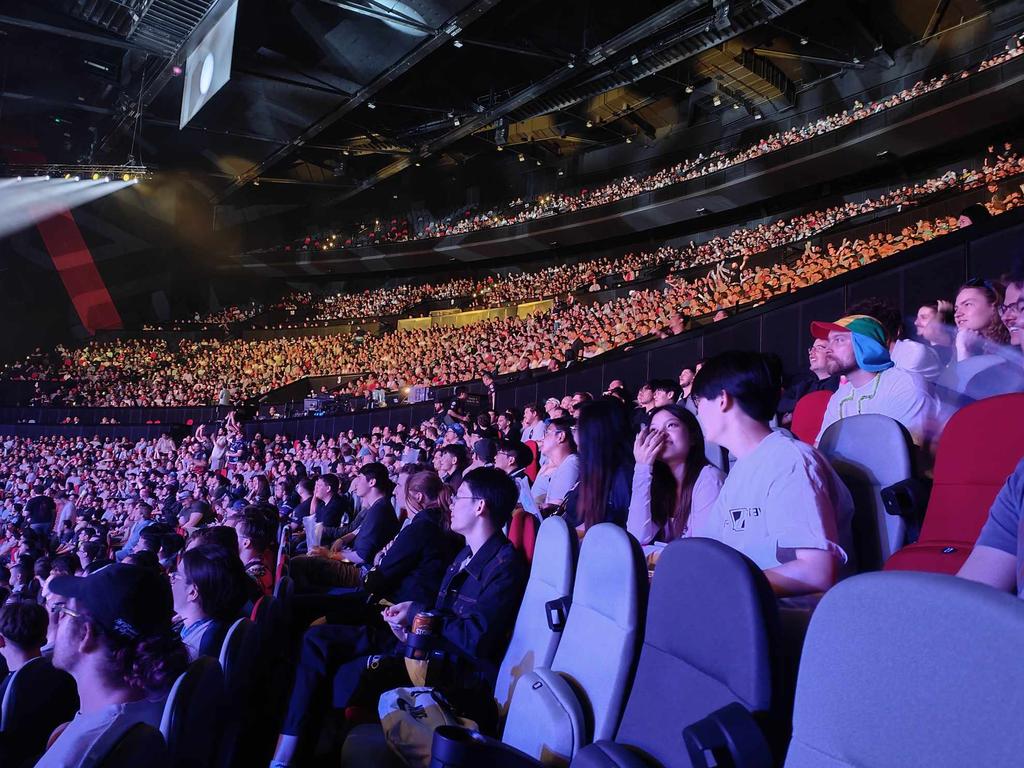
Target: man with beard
(857,350)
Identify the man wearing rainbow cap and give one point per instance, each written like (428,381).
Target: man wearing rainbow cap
(857,349)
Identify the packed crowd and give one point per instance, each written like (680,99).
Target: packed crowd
(590,274)
(137,374)
(123,562)
(518,211)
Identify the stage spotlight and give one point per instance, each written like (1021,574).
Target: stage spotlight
(76,178)
(689,88)
(803,41)
(371,105)
(457,122)
(561,172)
(95,177)
(634,60)
(457,43)
(126,177)
(538,162)
(590,124)
(501,148)
(67,175)
(757,115)
(735,105)
(629,140)
(717,101)
(522,158)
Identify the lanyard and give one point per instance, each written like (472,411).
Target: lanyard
(860,401)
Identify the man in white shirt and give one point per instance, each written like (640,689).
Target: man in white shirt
(533,424)
(782,504)
(857,350)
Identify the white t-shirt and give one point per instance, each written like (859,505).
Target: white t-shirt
(781,497)
(89,738)
(915,357)
(551,486)
(895,393)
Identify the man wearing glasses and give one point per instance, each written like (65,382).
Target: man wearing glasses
(816,380)
(114,637)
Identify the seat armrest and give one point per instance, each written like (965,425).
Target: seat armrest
(731,737)
(456,747)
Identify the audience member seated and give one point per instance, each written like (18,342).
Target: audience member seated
(911,356)
(605,466)
(560,471)
(376,524)
(674,486)
(209,589)
(782,504)
(254,547)
(115,638)
(857,350)
(46,696)
(817,380)
(998,555)
(513,458)
(476,609)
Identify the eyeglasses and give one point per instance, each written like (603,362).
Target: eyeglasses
(817,348)
(1017,307)
(61,609)
(467,498)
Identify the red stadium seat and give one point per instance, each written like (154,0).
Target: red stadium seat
(534,468)
(974,459)
(808,415)
(522,532)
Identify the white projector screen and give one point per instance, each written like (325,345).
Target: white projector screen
(208,66)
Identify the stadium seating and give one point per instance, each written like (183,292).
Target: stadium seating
(871,452)
(191,723)
(904,669)
(980,448)
(808,415)
(535,637)
(141,744)
(710,640)
(239,658)
(522,532)
(36,700)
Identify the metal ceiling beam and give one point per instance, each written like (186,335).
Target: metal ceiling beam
(589,58)
(936,19)
(438,38)
(74,34)
(813,59)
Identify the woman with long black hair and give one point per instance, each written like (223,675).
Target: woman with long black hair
(605,466)
(673,483)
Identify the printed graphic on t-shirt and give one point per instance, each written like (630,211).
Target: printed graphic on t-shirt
(739,516)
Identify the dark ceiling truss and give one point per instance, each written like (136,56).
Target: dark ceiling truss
(436,39)
(606,66)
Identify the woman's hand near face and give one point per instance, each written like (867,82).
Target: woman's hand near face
(648,445)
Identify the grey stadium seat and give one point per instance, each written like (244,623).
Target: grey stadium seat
(871,452)
(904,669)
(710,641)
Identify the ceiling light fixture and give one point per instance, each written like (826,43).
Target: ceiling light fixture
(717,101)
(689,88)
(371,105)
(522,158)
(590,124)
(634,60)
(757,115)
(538,162)
(629,140)
(457,122)
(803,41)
(735,105)
(457,43)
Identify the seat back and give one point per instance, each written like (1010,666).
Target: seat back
(532,470)
(522,532)
(710,640)
(533,641)
(594,661)
(871,452)
(238,657)
(37,699)
(808,415)
(972,463)
(946,692)
(142,744)
(191,720)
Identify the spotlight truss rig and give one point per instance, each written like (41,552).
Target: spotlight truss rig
(128,173)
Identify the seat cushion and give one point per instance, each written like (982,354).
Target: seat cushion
(608,754)
(934,557)
(366,746)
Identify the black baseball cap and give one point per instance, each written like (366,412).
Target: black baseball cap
(128,601)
